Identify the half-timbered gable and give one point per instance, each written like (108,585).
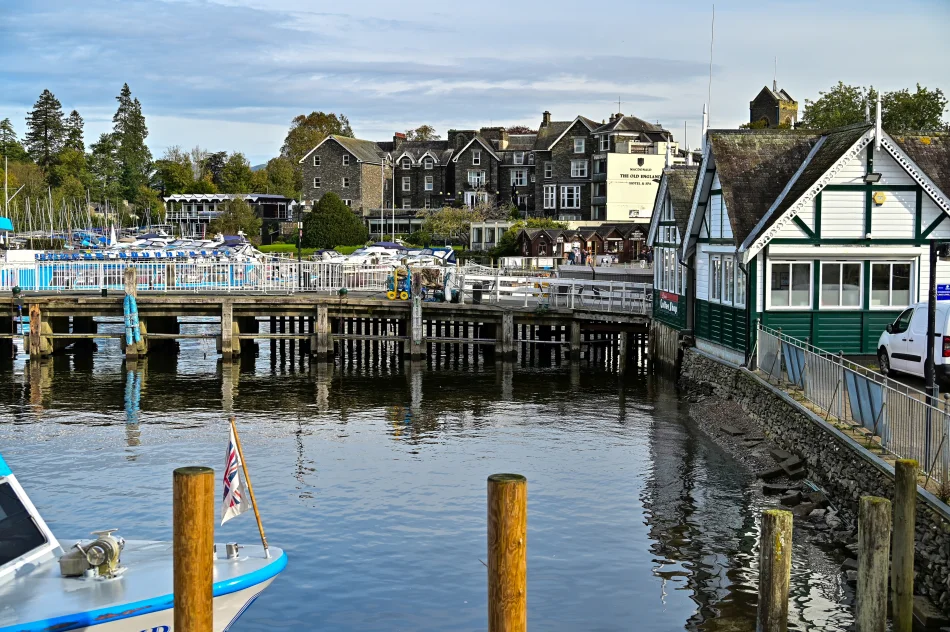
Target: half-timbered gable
(667,226)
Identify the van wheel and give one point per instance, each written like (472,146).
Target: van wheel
(884,362)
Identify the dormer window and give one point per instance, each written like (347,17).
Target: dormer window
(316,161)
(406,163)
(476,156)
(427,162)
(519,157)
(346,159)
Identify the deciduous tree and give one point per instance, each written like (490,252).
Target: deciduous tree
(423,132)
(280,177)
(521,129)
(901,110)
(45,129)
(236,174)
(306,132)
(173,172)
(237,216)
(332,223)
(451,223)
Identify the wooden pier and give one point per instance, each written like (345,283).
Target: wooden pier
(320,324)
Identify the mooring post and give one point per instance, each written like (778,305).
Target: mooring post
(623,349)
(575,344)
(902,557)
(193,546)
(505,346)
(507,553)
(874,542)
(416,342)
(230,347)
(775,565)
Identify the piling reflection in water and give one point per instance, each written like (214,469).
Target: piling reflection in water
(371,471)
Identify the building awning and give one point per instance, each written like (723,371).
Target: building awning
(6,224)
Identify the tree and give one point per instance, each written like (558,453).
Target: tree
(213,166)
(45,134)
(236,174)
(104,168)
(452,223)
(423,132)
(521,129)
(198,157)
(763,124)
(173,172)
(308,131)
(70,168)
(237,216)
(74,136)
(332,224)
(901,111)
(133,155)
(9,144)
(30,176)
(202,185)
(508,243)
(280,177)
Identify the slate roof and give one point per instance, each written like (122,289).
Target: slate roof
(777,95)
(550,133)
(680,181)
(521,142)
(627,124)
(932,155)
(417,149)
(754,166)
(364,150)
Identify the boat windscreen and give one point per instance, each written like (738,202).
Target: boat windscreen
(18,532)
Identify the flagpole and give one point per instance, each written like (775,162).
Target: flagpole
(250,490)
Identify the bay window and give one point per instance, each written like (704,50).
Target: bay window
(789,284)
(841,284)
(890,284)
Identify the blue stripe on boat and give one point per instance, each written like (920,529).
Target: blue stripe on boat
(146,606)
(4,468)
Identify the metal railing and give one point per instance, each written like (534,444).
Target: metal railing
(891,414)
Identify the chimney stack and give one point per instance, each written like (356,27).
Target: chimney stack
(398,137)
(545,119)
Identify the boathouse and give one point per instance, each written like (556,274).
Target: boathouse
(622,242)
(824,234)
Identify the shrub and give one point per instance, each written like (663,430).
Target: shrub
(331,224)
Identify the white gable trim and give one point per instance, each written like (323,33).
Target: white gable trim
(404,154)
(430,155)
(456,157)
(319,145)
(939,197)
(689,238)
(657,206)
(569,128)
(749,251)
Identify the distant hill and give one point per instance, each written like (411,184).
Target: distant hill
(259,167)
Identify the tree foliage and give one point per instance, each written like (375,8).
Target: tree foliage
(45,129)
(237,216)
(236,174)
(901,110)
(453,224)
(74,133)
(423,132)
(308,131)
(9,143)
(173,172)
(521,129)
(280,177)
(331,224)
(132,154)
(104,168)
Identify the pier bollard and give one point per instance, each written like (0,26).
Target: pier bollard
(193,543)
(902,557)
(775,565)
(507,553)
(874,543)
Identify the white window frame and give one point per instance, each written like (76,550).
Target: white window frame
(519,177)
(476,156)
(550,196)
(890,288)
(548,170)
(479,180)
(518,158)
(346,182)
(741,283)
(316,183)
(427,203)
(429,183)
(346,160)
(407,183)
(316,160)
(715,278)
(407,202)
(579,145)
(428,162)
(605,142)
(348,202)
(728,280)
(579,169)
(821,280)
(405,163)
(768,286)
(576,203)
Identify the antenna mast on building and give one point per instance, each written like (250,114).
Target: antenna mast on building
(712,38)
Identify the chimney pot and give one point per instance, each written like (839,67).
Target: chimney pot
(545,119)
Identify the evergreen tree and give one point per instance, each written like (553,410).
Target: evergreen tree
(332,224)
(132,153)
(46,133)
(213,167)
(236,174)
(74,135)
(9,144)
(105,169)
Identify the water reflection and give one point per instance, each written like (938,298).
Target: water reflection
(371,472)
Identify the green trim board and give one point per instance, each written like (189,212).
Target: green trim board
(721,324)
(873,187)
(670,309)
(933,225)
(816,241)
(849,331)
(801,224)
(918,212)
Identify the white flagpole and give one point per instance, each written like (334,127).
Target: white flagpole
(250,490)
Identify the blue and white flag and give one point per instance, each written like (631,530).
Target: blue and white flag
(233,501)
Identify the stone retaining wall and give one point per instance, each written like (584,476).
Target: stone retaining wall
(837,463)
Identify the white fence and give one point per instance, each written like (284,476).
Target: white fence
(893,414)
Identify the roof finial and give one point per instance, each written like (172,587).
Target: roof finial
(878,132)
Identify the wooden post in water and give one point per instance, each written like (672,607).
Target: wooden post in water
(505,347)
(575,342)
(874,543)
(775,565)
(193,544)
(902,560)
(507,553)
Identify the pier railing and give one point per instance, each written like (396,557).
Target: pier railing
(883,411)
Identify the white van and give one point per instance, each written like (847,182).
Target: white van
(902,347)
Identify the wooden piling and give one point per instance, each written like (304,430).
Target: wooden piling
(575,342)
(193,529)
(505,346)
(775,565)
(902,557)
(874,540)
(507,553)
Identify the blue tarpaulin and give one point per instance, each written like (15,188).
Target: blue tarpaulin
(6,224)
(866,398)
(794,363)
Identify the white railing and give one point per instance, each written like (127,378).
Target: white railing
(891,414)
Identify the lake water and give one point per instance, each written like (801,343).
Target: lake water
(372,476)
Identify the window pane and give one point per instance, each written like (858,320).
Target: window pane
(716,282)
(830,283)
(900,284)
(801,284)
(727,280)
(880,284)
(780,285)
(851,284)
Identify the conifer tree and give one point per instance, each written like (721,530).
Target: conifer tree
(10,146)
(46,131)
(74,133)
(133,155)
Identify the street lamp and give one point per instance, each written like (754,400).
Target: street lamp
(938,250)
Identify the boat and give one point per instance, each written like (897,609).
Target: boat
(106,583)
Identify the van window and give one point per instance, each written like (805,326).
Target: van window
(18,533)
(903,321)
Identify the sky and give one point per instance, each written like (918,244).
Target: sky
(231,74)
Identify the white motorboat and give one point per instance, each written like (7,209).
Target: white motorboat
(107,584)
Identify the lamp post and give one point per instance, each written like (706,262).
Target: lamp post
(938,250)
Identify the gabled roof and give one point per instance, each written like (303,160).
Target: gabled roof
(549,134)
(627,124)
(589,124)
(776,95)
(481,141)
(932,156)
(521,142)
(362,150)
(677,183)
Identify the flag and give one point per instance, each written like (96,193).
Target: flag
(233,501)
